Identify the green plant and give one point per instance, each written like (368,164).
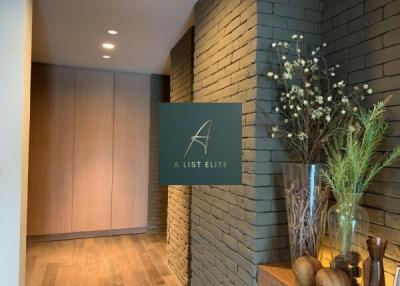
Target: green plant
(352,157)
(353,161)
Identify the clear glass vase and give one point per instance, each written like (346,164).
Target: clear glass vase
(348,226)
(306,205)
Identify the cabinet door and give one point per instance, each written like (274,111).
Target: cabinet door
(93,151)
(51,150)
(131,151)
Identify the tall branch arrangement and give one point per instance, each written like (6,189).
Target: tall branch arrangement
(313,103)
(352,161)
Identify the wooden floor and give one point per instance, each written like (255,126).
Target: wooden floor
(137,260)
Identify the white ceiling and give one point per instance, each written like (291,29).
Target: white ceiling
(70,32)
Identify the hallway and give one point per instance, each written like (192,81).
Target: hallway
(134,260)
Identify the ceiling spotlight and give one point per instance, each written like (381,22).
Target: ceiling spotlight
(107,57)
(108,46)
(112,32)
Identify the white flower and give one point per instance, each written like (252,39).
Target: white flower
(328,118)
(305,102)
(298,50)
(319,99)
(355,109)
(303,62)
(273,45)
(365,86)
(283,57)
(369,91)
(362,97)
(337,66)
(313,53)
(277,109)
(301,37)
(279,43)
(285,44)
(329,98)
(291,106)
(287,95)
(356,88)
(295,114)
(276,76)
(335,85)
(275,128)
(286,120)
(341,83)
(343,111)
(324,44)
(289,135)
(308,84)
(345,99)
(298,108)
(273,135)
(284,107)
(302,136)
(270,74)
(333,74)
(315,60)
(294,37)
(306,70)
(313,116)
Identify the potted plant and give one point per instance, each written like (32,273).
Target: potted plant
(314,107)
(352,163)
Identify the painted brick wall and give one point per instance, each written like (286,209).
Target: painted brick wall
(179,197)
(236,227)
(157,219)
(364,37)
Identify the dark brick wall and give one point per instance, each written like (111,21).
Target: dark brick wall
(236,227)
(364,37)
(179,197)
(157,215)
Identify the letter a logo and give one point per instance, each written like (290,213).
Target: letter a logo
(201,139)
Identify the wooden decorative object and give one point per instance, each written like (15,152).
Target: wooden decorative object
(332,277)
(305,268)
(376,248)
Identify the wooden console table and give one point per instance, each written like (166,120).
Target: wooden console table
(276,275)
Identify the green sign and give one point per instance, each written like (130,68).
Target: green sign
(200,144)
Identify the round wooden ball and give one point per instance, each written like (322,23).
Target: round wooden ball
(332,277)
(305,268)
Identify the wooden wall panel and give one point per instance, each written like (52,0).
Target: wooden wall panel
(51,150)
(93,151)
(131,151)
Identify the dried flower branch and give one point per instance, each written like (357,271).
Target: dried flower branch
(314,105)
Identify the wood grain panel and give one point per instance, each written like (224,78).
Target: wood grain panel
(131,151)
(93,151)
(51,150)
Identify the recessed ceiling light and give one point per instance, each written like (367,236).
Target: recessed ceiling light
(108,46)
(112,32)
(107,57)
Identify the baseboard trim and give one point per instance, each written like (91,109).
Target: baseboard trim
(86,234)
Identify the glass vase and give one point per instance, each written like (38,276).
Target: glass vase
(306,205)
(348,225)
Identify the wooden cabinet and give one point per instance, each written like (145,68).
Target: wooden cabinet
(89,150)
(276,275)
(131,150)
(51,150)
(93,150)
